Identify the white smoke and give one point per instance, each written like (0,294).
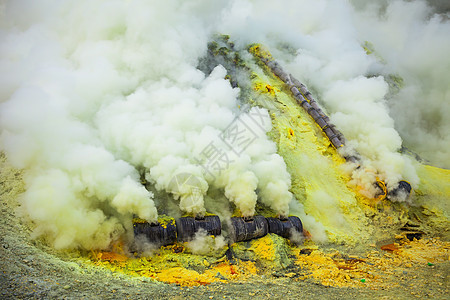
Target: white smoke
(321,44)
(414,42)
(203,244)
(91,92)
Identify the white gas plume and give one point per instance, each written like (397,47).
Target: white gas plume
(415,46)
(203,243)
(321,43)
(95,94)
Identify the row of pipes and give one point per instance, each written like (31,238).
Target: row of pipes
(238,229)
(306,100)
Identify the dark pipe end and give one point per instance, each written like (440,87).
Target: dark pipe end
(244,230)
(402,190)
(157,233)
(188,226)
(285,227)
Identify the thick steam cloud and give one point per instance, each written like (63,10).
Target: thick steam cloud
(96,95)
(322,45)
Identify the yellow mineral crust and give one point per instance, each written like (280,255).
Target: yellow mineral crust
(172,265)
(263,248)
(185,277)
(315,167)
(163,220)
(319,182)
(259,51)
(433,196)
(377,270)
(321,186)
(434,187)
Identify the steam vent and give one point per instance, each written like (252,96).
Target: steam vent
(229,150)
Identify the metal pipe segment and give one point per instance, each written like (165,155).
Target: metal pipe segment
(240,229)
(244,230)
(306,100)
(337,139)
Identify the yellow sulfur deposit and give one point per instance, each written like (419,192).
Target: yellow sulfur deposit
(317,180)
(322,189)
(163,220)
(264,248)
(185,277)
(378,268)
(171,266)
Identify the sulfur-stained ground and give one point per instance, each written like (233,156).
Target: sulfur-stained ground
(270,267)
(375,249)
